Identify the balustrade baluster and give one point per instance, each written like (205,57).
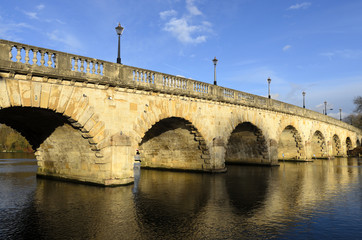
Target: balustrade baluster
(93,67)
(99,68)
(75,64)
(35,58)
(88,67)
(81,65)
(136,75)
(148,77)
(139,76)
(26,55)
(49,59)
(42,61)
(18,55)
(143,77)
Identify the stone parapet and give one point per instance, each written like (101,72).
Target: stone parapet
(21,58)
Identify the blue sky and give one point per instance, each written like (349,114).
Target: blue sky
(311,46)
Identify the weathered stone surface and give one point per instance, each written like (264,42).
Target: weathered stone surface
(101,116)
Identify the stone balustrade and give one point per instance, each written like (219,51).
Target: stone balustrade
(45,62)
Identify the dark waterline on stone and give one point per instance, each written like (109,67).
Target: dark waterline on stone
(315,200)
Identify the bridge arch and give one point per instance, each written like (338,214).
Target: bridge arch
(65,132)
(318,145)
(358,143)
(336,146)
(247,145)
(174,143)
(349,145)
(290,144)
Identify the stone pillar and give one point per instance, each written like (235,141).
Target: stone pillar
(329,149)
(273,152)
(308,150)
(217,153)
(118,149)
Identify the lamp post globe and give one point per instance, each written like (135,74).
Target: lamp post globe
(119,30)
(215,62)
(269,81)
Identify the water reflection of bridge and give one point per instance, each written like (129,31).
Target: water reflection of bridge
(179,205)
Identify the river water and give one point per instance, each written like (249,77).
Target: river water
(311,200)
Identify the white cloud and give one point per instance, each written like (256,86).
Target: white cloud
(346,53)
(71,43)
(166,14)
(193,10)
(31,15)
(297,6)
(184,28)
(286,47)
(9,30)
(34,14)
(40,7)
(183,31)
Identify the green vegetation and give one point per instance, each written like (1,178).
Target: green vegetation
(12,141)
(356,118)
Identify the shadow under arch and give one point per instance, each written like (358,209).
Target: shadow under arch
(336,146)
(61,150)
(247,145)
(174,143)
(318,145)
(348,144)
(290,145)
(35,124)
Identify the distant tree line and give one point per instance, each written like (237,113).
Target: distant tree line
(12,141)
(355,118)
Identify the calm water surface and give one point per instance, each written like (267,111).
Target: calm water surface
(317,200)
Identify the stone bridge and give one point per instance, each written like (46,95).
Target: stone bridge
(85,118)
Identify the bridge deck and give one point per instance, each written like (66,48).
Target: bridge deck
(21,58)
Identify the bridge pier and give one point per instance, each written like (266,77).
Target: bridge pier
(217,152)
(120,153)
(65,155)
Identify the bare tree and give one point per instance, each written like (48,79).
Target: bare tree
(355,119)
(358,102)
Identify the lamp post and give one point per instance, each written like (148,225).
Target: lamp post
(340,114)
(215,62)
(303,93)
(325,107)
(119,30)
(269,81)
